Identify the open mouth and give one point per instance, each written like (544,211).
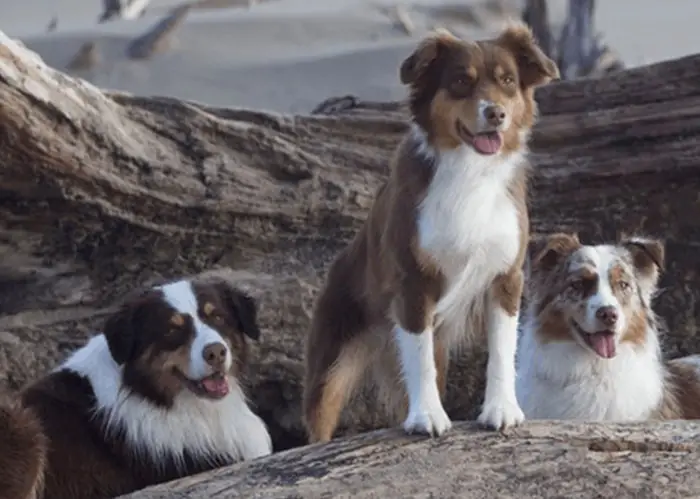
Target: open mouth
(601,342)
(214,387)
(486,143)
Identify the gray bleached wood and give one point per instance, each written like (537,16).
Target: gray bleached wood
(539,460)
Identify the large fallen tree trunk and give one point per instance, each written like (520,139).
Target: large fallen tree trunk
(100,193)
(539,460)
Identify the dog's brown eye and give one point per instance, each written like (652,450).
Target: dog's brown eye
(577,285)
(218,318)
(462,80)
(624,286)
(508,80)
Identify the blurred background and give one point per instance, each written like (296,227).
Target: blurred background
(289,55)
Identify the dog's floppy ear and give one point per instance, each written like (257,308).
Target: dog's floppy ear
(243,307)
(534,66)
(119,333)
(428,52)
(648,257)
(647,254)
(546,252)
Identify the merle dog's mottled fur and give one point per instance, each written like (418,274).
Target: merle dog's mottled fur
(590,346)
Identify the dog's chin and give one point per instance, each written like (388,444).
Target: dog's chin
(213,387)
(603,343)
(486,143)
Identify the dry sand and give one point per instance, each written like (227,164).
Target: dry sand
(288,55)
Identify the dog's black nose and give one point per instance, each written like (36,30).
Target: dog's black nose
(607,315)
(215,354)
(495,115)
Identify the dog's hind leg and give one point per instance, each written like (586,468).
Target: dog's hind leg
(335,359)
(328,389)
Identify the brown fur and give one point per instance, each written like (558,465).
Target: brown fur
(52,440)
(447,78)
(682,396)
(22,446)
(382,276)
(636,333)
(156,369)
(546,255)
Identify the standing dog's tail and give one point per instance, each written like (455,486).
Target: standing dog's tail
(22,452)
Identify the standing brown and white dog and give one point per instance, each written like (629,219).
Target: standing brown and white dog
(590,341)
(439,258)
(154,397)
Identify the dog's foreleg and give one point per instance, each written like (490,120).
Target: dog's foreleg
(417,356)
(501,408)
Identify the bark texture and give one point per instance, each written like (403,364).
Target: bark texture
(101,193)
(538,460)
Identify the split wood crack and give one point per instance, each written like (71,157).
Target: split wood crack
(623,445)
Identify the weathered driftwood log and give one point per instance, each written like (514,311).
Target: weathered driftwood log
(102,193)
(539,460)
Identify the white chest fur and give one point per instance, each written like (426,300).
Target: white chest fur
(563,381)
(468,223)
(201,427)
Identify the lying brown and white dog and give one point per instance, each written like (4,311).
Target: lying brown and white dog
(444,241)
(590,340)
(154,397)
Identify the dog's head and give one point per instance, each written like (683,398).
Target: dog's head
(596,296)
(477,93)
(185,335)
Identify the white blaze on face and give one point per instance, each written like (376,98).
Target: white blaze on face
(483,122)
(181,297)
(598,334)
(600,260)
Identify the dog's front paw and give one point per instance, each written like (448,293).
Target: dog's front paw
(430,419)
(499,414)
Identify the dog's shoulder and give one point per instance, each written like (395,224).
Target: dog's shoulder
(61,394)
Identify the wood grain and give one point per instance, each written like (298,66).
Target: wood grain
(539,460)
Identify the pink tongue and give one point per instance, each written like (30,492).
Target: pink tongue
(603,344)
(218,386)
(487,143)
